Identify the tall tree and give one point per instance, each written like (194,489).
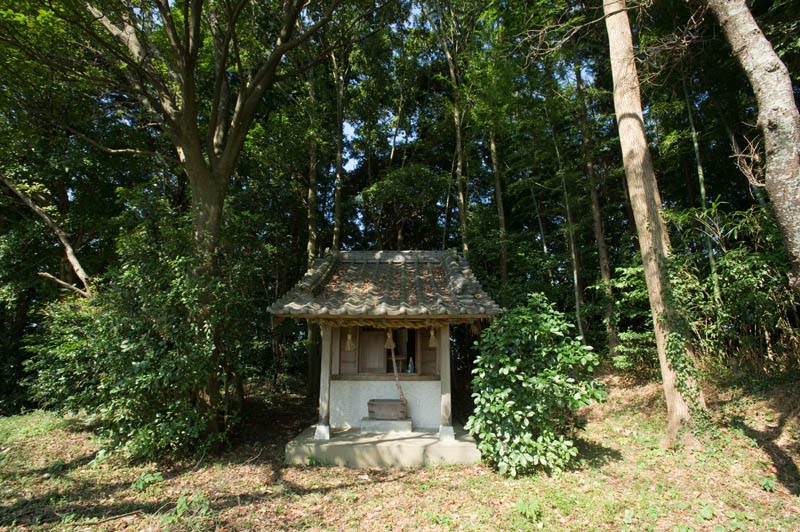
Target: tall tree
(612,338)
(200,69)
(340,68)
(778,116)
(452,23)
(646,203)
(701,183)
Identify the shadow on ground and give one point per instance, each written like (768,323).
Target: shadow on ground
(594,455)
(266,428)
(786,470)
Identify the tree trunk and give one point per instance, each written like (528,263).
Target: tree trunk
(701,183)
(398,122)
(501,214)
(455,71)
(645,202)
(573,255)
(597,220)
(208,197)
(573,251)
(338,76)
(446,215)
(539,220)
(313,346)
(778,117)
(311,203)
(461,185)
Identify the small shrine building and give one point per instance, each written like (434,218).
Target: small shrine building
(385,320)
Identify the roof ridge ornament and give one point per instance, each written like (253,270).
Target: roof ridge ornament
(455,271)
(319,273)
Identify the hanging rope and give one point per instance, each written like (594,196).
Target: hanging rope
(390,345)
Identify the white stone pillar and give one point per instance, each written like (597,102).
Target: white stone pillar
(323,431)
(446,420)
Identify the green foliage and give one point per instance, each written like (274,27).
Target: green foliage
(139,358)
(768,484)
(636,354)
(405,202)
(529,379)
(116,363)
(753,329)
(530,509)
(146,480)
(191,512)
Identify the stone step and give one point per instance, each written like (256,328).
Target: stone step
(385,426)
(352,448)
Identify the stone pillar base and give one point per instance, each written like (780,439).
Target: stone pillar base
(446,433)
(323,432)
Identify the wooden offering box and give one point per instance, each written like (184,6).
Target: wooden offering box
(387,409)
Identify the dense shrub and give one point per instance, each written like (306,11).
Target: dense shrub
(140,356)
(529,379)
(753,328)
(132,359)
(636,354)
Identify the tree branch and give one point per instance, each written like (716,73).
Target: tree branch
(60,233)
(127,36)
(83,293)
(250,95)
(169,27)
(106,149)
(217,126)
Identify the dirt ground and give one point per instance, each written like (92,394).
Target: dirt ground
(54,475)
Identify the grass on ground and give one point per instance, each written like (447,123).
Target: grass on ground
(53,474)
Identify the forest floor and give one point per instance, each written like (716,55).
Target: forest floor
(53,475)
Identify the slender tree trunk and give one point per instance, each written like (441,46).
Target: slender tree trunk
(573,254)
(597,219)
(311,203)
(455,71)
(701,183)
(400,238)
(539,220)
(501,212)
(398,123)
(461,185)
(339,76)
(23,304)
(645,201)
(573,250)
(778,117)
(312,329)
(446,213)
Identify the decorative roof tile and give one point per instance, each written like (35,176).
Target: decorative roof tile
(387,284)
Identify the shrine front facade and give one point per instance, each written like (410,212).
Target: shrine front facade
(385,321)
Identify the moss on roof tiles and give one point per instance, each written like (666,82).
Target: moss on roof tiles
(427,284)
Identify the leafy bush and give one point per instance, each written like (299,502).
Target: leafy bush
(137,373)
(753,328)
(635,355)
(529,379)
(140,356)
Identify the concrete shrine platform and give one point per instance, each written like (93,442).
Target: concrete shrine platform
(353,448)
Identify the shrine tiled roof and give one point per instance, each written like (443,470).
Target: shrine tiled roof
(387,284)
